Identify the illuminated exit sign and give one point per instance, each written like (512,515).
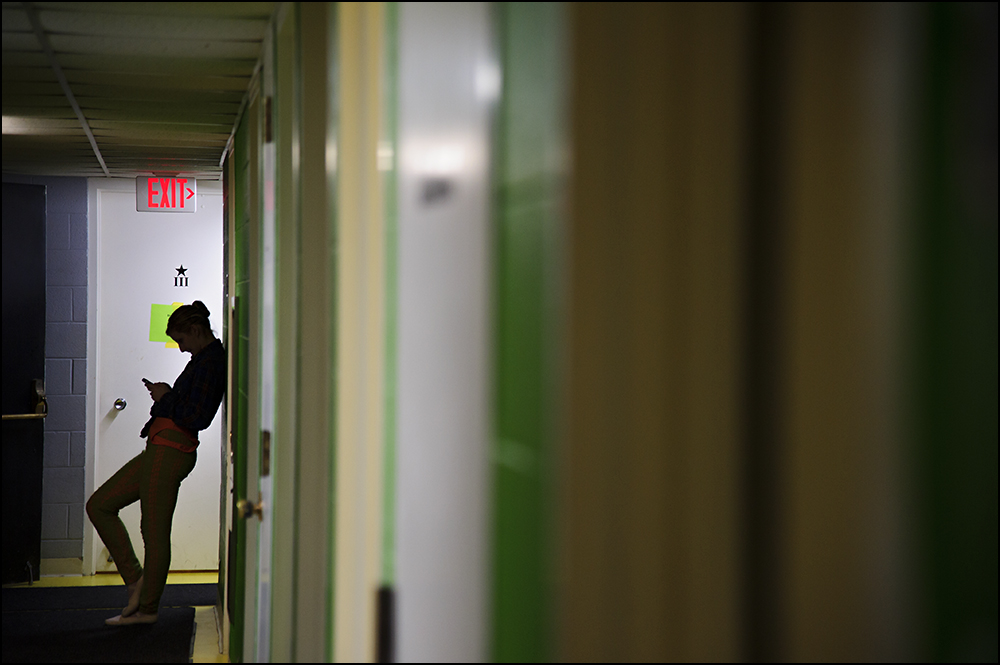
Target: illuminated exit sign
(166,194)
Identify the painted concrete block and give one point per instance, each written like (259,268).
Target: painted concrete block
(65,437)
(66,340)
(53,442)
(76,517)
(58,304)
(56,450)
(58,376)
(80,304)
(66,194)
(62,549)
(66,267)
(57,230)
(62,485)
(66,413)
(78,231)
(77,448)
(80,376)
(55,521)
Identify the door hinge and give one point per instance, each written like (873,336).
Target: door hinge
(265,454)
(268,131)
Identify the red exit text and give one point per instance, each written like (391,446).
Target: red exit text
(166,194)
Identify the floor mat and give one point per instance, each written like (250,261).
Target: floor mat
(99,597)
(66,624)
(80,636)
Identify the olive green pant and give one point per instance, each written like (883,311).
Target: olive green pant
(153,478)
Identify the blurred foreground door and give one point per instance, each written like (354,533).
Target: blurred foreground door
(23,364)
(449,82)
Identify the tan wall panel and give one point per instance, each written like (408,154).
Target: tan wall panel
(360,331)
(649,568)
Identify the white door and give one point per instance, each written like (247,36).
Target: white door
(260,634)
(147,262)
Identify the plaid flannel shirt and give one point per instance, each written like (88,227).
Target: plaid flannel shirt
(197,392)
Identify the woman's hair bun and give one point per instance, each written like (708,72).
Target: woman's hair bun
(200,307)
(186,316)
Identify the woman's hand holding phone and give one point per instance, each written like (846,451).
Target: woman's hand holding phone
(156,390)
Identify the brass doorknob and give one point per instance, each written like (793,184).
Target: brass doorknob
(247,509)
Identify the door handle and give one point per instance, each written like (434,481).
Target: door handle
(41,406)
(120,404)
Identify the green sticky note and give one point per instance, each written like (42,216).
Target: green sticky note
(158,316)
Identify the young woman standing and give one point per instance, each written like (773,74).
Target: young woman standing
(154,476)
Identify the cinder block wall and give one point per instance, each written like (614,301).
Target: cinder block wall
(65,363)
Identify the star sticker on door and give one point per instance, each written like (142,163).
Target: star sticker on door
(181,278)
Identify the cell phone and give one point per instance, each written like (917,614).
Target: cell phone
(147,382)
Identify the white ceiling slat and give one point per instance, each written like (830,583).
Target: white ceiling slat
(44,157)
(47,126)
(43,142)
(28,74)
(20,41)
(127,46)
(176,109)
(65,172)
(142,160)
(157,168)
(44,160)
(73,171)
(41,88)
(15,19)
(138,166)
(24,59)
(133,169)
(33,101)
(24,139)
(191,150)
(199,10)
(48,158)
(89,90)
(70,155)
(147,64)
(195,148)
(131,125)
(159,81)
(62,112)
(145,162)
(126,150)
(98,118)
(154,137)
(144,25)
(50,153)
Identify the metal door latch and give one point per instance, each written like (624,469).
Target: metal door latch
(247,509)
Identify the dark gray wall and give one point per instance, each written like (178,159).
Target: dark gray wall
(65,363)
